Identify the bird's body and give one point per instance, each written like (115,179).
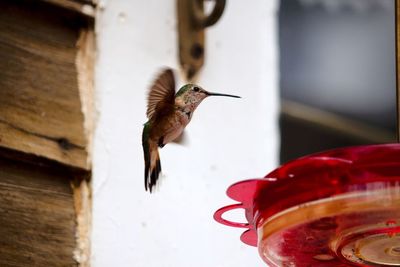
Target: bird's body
(168,115)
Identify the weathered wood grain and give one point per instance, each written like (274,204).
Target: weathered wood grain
(37,222)
(41,110)
(84,7)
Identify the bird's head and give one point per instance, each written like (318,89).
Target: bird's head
(192,94)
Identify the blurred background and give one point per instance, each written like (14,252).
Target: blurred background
(337,74)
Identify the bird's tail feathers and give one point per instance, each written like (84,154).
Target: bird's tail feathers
(152,165)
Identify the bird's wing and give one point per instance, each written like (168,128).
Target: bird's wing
(162,94)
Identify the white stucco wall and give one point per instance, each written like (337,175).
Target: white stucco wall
(229,139)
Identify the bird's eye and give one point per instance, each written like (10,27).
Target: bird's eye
(196,89)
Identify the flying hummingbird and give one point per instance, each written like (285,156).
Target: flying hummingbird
(168,114)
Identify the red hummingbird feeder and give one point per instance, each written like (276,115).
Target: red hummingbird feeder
(335,208)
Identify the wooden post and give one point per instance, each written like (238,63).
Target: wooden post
(46,122)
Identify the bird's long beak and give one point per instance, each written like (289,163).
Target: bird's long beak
(218,94)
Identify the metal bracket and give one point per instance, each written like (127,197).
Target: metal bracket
(191,24)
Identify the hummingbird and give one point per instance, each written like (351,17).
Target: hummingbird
(168,114)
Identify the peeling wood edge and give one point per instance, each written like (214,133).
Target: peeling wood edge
(83,210)
(336,123)
(82,8)
(85,60)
